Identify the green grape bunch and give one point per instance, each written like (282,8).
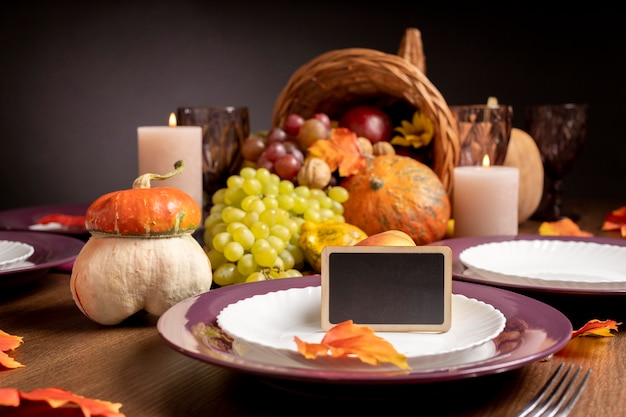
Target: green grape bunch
(253,228)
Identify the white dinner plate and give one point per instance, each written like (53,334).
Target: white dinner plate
(549,263)
(269,322)
(12,253)
(534,330)
(50,251)
(463,273)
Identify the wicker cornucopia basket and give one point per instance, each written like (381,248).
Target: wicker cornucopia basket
(337,80)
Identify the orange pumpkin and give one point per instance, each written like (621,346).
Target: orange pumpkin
(144,211)
(523,153)
(398,192)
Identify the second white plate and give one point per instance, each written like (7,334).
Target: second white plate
(546,263)
(269,322)
(12,253)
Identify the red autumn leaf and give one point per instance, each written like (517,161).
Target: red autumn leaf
(562,227)
(9,342)
(44,400)
(347,339)
(63,219)
(596,327)
(341,151)
(616,220)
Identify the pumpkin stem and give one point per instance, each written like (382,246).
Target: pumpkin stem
(143,181)
(376,183)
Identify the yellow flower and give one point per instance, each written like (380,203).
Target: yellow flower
(417,134)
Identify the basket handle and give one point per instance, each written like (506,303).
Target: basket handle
(412,49)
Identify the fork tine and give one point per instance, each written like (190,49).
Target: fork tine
(558,400)
(543,391)
(569,405)
(554,407)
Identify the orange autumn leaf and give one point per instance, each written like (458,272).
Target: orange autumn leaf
(9,342)
(596,327)
(562,227)
(347,339)
(616,220)
(63,219)
(36,402)
(341,152)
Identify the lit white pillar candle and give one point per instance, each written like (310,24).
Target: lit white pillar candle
(161,146)
(485,200)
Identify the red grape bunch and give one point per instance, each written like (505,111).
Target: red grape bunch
(282,149)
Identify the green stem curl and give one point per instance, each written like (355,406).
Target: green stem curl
(143,181)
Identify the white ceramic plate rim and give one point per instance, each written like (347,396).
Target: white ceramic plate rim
(547,263)
(270,321)
(12,253)
(178,325)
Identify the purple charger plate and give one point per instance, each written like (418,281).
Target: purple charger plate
(21,219)
(51,251)
(458,245)
(521,312)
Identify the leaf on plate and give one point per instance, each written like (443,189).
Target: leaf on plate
(597,327)
(562,227)
(63,219)
(348,339)
(341,151)
(616,220)
(9,342)
(212,336)
(43,400)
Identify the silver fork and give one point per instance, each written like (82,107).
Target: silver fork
(559,394)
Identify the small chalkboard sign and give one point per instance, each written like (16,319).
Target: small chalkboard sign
(387,288)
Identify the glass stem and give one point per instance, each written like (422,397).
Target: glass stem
(557,198)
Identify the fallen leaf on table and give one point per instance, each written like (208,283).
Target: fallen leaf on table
(562,227)
(597,327)
(347,339)
(616,220)
(44,400)
(9,342)
(341,152)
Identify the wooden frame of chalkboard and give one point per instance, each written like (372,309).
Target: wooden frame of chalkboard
(387,288)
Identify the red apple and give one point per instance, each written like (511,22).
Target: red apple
(388,238)
(368,121)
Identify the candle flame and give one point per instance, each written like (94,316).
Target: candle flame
(486,161)
(172,120)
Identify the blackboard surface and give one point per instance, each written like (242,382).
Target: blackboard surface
(388,288)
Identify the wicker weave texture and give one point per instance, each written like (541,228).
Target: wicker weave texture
(337,80)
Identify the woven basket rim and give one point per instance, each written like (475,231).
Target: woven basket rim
(342,77)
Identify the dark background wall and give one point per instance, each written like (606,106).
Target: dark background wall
(78,78)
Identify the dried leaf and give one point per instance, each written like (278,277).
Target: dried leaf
(596,327)
(63,219)
(347,339)
(38,401)
(341,152)
(616,220)
(9,342)
(562,227)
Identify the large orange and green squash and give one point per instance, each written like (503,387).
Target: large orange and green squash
(401,193)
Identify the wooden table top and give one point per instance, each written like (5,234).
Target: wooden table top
(130,364)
